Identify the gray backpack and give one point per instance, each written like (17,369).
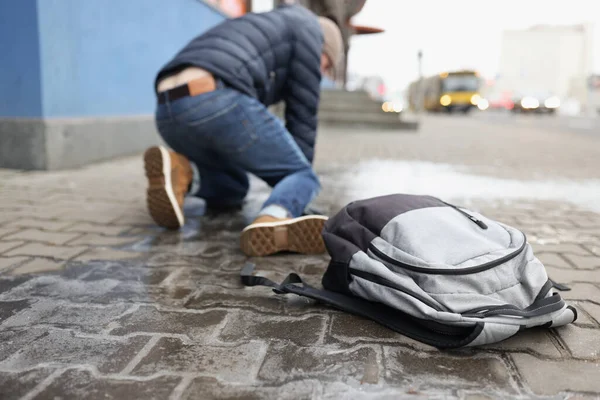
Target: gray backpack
(432,271)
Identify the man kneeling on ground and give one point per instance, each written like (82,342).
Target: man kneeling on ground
(212,112)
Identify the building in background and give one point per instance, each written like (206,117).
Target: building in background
(550,59)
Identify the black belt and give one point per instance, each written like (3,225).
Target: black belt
(192,88)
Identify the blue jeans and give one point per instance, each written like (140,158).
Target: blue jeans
(227,134)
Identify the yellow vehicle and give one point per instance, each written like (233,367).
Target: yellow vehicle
(448,91)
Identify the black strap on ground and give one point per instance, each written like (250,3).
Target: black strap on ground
(441,336)
(251,280)
(560,286)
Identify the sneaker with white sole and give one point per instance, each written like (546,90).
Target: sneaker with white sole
(169,176)
(269,235)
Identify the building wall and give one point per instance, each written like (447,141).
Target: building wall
(20,86)
(545,58)
(100,57)
(77,76)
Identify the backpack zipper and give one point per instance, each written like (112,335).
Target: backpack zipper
(443,271)
(473,218)
(387,283)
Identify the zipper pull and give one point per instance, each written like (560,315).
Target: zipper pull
(479,222)
(473,218)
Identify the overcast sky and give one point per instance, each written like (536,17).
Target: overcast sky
(453,34)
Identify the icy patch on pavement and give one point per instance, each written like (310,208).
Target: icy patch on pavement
(377,178)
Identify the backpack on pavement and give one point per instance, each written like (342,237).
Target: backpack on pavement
(437,273)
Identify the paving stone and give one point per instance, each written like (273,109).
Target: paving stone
(572,275)
(583,318)
(553,260)
(5,245)
(44,250)
(77,384)
(143,230)
(12,341)
(202,250)
(25,212)
(104,291)
(38,265)
(589,230)
(134,292)
(197,326)
(349,328)
(594,249)
(534,221)
(10,308)
(583,343)
(141,220)
(125,271)
(7,231)
(423,370)
(47,225)
(86,227)
(7,218)
(14,385)
(8,283)
(36,235)
(238,363)
(82,318)
(211,388)
(562,248)
(582,291)
(106,254)
(256,298)
(94,239)
(170,260)
(297,305)
(199,276)
(584,262)
(547,377)
(56,287)
(286,361)
(93,216)
(586,221)
(582,396)
(482,396)
(593,310)
(64,348)
(536,340)
(287,263)
(7,262)
(245,325)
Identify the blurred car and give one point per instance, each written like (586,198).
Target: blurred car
(536,102)
(497,101)
(393,104)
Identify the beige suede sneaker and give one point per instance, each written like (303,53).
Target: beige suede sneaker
(169,175)
(269,235)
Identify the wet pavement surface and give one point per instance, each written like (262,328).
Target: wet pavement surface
(96,302)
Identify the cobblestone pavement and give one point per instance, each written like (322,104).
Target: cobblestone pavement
(96,302)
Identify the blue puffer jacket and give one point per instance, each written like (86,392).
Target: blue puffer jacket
(271,56)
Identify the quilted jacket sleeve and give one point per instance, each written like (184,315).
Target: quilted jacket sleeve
(304,83)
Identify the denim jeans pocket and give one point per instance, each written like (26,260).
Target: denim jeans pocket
(194,110)
(222,126)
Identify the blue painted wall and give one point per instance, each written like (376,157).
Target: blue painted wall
(81,58)
(20,88)
(100,57)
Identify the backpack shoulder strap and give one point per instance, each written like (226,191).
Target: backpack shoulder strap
(429,332)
